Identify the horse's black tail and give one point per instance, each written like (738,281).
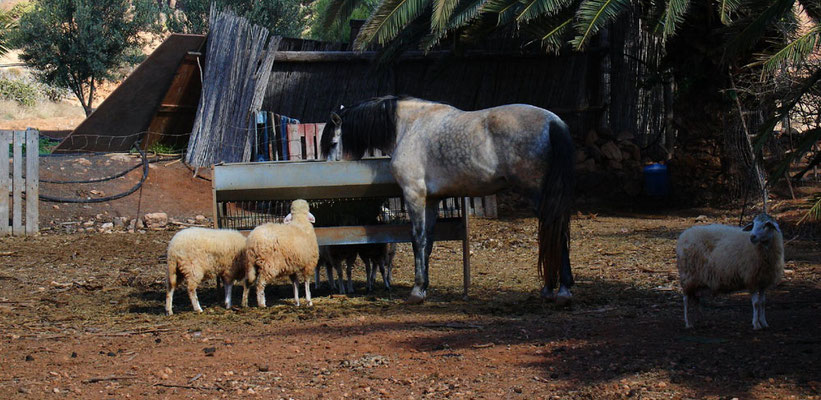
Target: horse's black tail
(555,200)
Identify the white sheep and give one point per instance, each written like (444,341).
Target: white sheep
(199,253)
(724,259)
(277,250)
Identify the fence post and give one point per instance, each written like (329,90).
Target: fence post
(32,181)
(5,140)
(17,185)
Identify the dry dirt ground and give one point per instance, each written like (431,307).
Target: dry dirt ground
(81,316)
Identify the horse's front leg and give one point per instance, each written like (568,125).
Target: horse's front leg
(416,212)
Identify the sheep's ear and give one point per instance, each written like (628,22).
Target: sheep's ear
(774,225)
(288,218)
(311,218)
(748,228)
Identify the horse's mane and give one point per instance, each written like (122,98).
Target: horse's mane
(368,125)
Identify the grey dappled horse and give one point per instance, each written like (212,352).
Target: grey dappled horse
(439,151)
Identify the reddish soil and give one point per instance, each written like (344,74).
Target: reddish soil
(81,315)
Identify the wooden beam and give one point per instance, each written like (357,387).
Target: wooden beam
(368,56)
(17,183)
(32,181)
(5,182)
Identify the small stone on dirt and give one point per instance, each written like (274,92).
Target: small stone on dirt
(29,358)
(156,220)
(209,351)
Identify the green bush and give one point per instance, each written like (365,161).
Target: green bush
(22,92)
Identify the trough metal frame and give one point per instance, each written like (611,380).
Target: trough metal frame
(315,180)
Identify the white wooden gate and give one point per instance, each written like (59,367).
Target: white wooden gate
(13,183)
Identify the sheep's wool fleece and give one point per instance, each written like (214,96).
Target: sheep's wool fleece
(203,252)
(281,250)
(722,259)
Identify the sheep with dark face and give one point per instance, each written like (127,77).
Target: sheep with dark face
(724,259)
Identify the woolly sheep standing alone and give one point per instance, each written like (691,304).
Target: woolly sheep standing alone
(276,250)
(200,253)
(724,259)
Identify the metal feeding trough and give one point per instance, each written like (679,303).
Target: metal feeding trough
(250,194)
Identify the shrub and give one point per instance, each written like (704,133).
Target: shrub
(22,92)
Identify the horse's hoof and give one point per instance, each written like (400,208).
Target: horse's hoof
(564,297)
(416,297)
(548,295)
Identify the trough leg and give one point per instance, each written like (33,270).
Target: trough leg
(368,275)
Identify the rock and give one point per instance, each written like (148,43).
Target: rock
(83,161)
(29,358)
(119,157)
(107,227)
(88,223)
(595,153)
(209,351)
(701,218)
(156,220)
(611,151)
(98,193)
(591,138)
(200,219)
(625,136)
(55,206)
(120,222)
(581,155)
(615,164)
(588,165)
(631,151)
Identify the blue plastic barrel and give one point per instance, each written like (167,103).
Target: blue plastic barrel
(656,180)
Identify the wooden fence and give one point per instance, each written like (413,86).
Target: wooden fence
(12,186)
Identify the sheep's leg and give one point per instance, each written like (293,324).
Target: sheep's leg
(756,322)
(762,319)
(260,289)
(246,287)
(169,300)
(338,267)
(296,289)
(308,294)
(329,273)
(192,294)
(384,275)
(317,279)
(349,265)
(687,323)
(369,271)
(229,286)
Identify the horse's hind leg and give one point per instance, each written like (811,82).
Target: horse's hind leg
(565,278)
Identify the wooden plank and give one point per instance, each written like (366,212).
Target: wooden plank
(17,183)
(5,182)
(310,141)
(294,148)
(32,181)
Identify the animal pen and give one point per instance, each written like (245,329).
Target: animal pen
(249,194)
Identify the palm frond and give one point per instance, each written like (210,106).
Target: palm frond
(338,11)
(555,38)
(442,11)
(537,8)
(815,210)
(505,9)
(593,15)
(464,13)
(389,18)
(757,28)
(812,8)
(805,144)
(725,10)
(672,17)
(795,51)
